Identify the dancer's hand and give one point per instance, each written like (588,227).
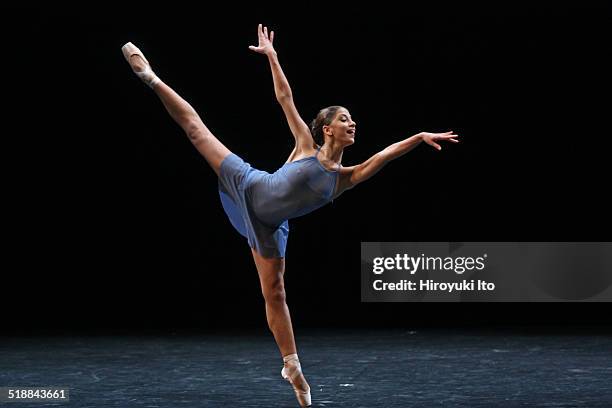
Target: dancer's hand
(265,41)
(432,138)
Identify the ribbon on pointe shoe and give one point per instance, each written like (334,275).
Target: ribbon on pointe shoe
(290,374)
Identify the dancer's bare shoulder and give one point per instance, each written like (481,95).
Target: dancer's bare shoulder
(344,180)
(298,154)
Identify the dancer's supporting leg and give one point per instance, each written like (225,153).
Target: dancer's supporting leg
(180,110)
(271,276)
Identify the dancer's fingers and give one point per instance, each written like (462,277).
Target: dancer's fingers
(271,36)
(265,32)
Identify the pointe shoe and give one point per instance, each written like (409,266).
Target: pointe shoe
(147,75)
(290,374)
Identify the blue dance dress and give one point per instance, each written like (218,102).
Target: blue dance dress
(259,204)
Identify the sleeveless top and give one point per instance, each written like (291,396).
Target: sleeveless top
(259,204)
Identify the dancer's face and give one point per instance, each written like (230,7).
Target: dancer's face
(342,128)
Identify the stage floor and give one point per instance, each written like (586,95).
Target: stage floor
(345,368)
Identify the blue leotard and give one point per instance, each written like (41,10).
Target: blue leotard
(259,204)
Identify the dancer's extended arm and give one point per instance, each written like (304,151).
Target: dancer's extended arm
(350,176)
(284,96)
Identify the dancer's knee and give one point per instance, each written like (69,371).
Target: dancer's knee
(195,131)
(275,293)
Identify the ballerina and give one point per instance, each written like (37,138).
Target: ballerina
(259,204)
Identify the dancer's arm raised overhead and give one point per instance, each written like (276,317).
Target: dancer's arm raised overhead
(301,132)
(353,175)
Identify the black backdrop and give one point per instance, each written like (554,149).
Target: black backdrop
(112,219)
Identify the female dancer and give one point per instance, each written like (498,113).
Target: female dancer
(259,204)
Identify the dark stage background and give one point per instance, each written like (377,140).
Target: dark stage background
(112,220)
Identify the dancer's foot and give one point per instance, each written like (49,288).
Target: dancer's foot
(139,64)
(292,372)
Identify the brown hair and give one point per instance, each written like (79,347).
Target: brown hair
(324,117)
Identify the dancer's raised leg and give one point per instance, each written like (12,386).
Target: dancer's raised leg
(271,276)
(180,110)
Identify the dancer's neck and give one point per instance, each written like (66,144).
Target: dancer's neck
(332,154)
